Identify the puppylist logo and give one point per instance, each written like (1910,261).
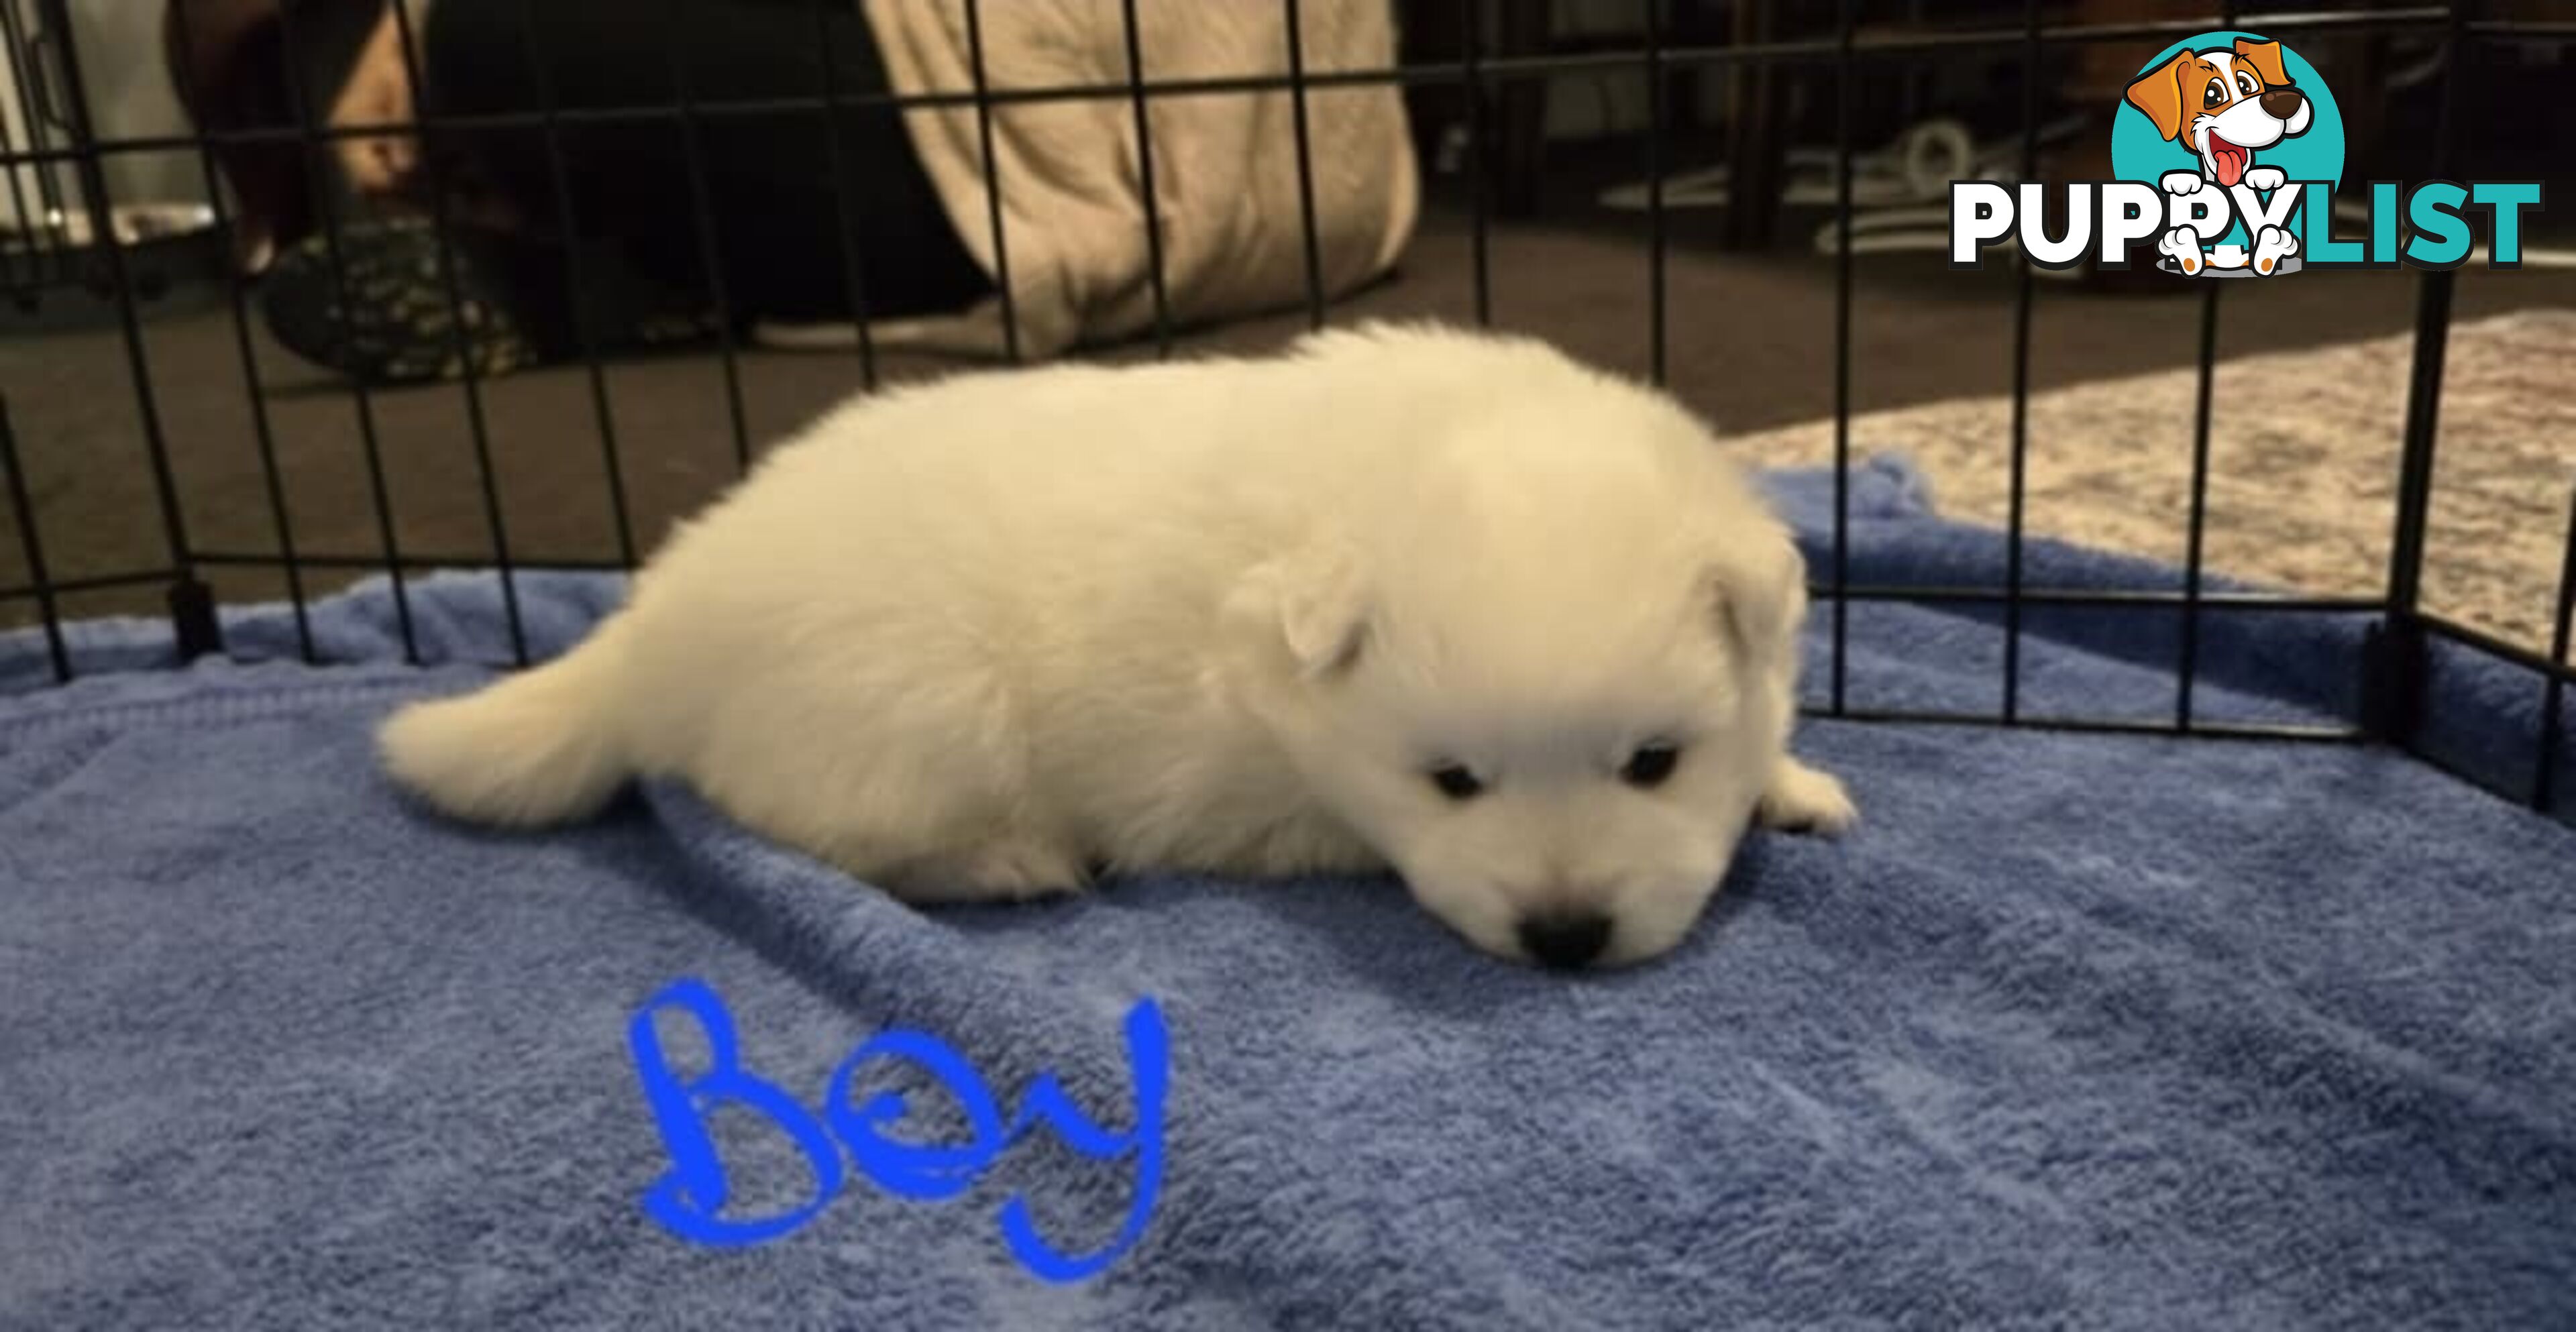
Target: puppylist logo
(2229,149)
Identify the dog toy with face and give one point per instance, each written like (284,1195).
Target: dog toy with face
(1410,598)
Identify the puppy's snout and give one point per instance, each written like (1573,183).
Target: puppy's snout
(1564,940)
(2282,103)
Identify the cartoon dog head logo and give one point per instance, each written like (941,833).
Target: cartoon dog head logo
(2233,113)
(2224,104)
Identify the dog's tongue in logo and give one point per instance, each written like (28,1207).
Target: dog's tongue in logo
(2227,160)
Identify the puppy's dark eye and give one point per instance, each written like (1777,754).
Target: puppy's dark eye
(2216,93)
(1456,782)
(1650,765)
(2245,84)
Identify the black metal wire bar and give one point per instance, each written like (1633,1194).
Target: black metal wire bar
(31,224)
(1657,125)
(44,242)
(2107,725)
(1295,15)
(64,587)
(2079,598)
(2530,659)
(845,193)
(2080,34)
(2553,696)
(2188,656)
(2423,399)
(31,547)
(2398,670)
(710,239)
(1479,158)
(326,210)
(2187,663)
(1858,592)
(272,477)
(2023,295)
(450,560)
(576,284)
(1843,36)
(469,373)
(1145,179)
(192,615)
(983,102)
(1869,592)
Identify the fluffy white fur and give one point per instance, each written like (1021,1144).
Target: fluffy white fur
(973,640)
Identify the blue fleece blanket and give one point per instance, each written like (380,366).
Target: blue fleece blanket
(2100,1031)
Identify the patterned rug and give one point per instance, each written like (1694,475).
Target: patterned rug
(2303,466)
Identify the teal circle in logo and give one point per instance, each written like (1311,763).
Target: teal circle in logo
(2141,150)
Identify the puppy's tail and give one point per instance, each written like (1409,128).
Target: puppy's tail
(537,748)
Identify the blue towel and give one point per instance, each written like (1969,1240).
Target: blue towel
(2076,1030)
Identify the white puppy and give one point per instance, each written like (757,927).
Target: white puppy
(1405,596)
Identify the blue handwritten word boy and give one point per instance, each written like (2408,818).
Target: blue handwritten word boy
(687,1200)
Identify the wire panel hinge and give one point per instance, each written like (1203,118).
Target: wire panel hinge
(192,617)
(2394,661)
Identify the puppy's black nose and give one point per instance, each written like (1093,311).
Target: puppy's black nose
(2282,103)
(1565,940)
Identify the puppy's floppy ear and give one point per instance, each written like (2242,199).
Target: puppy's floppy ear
(1313,603)
(1757,589)
(2159,93)
(2265,57)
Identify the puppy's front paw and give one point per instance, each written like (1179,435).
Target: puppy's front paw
(1020,871)
(1802,799)
(2181,182)
(2181,246)
(2270,248)
(2266,178)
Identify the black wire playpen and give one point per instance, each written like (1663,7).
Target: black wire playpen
(62,144)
